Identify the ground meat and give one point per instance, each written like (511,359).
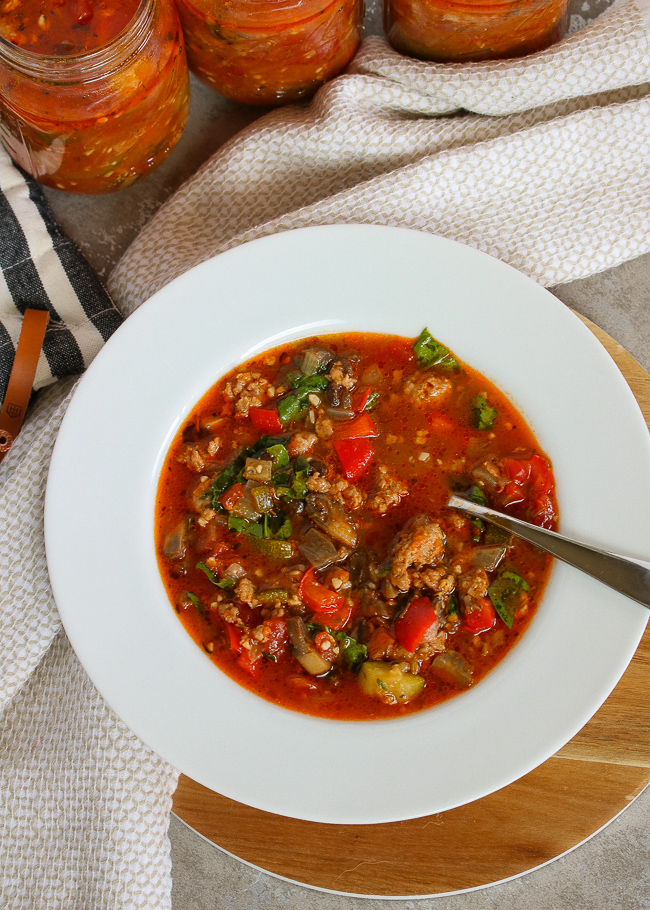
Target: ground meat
(318,484)
(301,442)
(324,427)
(424,546)
(474,584)
(347,494)
(245,591)
(193,458)
(434,644)
(435,579)
(248,390)
(389,491)
(340,374)
(427,388)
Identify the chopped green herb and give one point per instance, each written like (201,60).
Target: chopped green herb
(483,416)
(475,494)
(225,583)
(195,600)
(270,657)
(507,593)
(371,401)
(381,684)
(230,474)
(431,353)
(295,403)
(352,651)
(243,526)
(453,609)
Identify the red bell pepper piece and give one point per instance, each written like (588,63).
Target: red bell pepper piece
(234,637)
(361,427)
(360,400)
(317,596)
(355,455)
(231,496)
(440,423)
(265,420)
(481,617)
(413,624)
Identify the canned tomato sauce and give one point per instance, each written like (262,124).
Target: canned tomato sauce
(92,94)
(466,30)
(269,51)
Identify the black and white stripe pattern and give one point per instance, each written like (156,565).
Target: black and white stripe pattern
(40,267)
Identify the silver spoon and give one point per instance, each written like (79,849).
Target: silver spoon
(628,576)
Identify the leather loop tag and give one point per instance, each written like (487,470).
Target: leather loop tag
(22,376)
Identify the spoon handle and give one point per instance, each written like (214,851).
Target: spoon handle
(628,576)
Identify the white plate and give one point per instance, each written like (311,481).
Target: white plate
(100,506)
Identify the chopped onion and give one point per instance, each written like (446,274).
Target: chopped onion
(332,518)
(319,549)
(176,542)
(488,558)
(372,376)
(451,667)
(245,507)
(315,360)
(303,648)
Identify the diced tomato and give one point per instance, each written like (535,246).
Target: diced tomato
(355,455)
(529,488)
(338,619)
(361,427)
(276,639)
(265,420)
(317,596)
(414,623)
(231,496)
(252,667)
(440,423)
(481,617)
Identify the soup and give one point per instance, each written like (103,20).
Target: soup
(303,534)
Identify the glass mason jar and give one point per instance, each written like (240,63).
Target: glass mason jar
(269,51)
(94,121)
(466,30)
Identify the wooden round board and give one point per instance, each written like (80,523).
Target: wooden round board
(532,821)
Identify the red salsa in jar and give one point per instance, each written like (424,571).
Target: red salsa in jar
(303,533)
(269,51)
(466,30)
(92,94)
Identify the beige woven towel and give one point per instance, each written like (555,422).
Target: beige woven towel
(551,172)
(555,181)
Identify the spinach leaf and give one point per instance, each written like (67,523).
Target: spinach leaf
(431,353)
(353,652)
(507,593)
(293,405)
(226,478)
(483,416)
(195,600)
(226,583)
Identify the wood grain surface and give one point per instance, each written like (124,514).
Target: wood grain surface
(534,820)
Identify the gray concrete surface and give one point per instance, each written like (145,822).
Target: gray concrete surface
(609,871)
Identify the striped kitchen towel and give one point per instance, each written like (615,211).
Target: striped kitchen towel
(40,267)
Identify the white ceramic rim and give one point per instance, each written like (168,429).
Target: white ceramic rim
(127,409)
